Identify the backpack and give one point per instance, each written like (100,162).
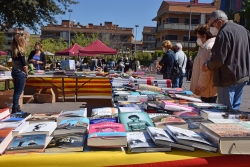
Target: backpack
(177,70)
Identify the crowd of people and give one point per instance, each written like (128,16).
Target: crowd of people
(221,67)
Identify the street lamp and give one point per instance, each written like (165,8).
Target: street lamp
(135,37)
(70,10)
(190,22)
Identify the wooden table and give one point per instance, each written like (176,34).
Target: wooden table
(6,79)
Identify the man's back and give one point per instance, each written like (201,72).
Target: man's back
(230,55)
(180,56)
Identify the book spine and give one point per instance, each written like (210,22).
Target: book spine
(209,135)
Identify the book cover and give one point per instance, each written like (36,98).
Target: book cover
(149,88)
(16,117)
(139,139)
(4,113)
(4,132)
(186,114)
(105,112)
(129,109)
(177,107)
(219,106)
(106,130)
(46,116)
(158,134)
(135,121)
(189,98)
(23,142)
(73,123)
(154,115)
(74,113)
(168,120)
(184,134)
(201,105)
(41,127)
(101,120)
(149,93)
(68,141)
(175,92)
(228,129)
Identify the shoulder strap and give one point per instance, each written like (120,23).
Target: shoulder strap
(183,60)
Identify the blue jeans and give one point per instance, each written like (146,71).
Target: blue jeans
(19,79)
(231,96)
(177,81)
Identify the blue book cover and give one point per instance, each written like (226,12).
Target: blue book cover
(101,120)
(135,93)
(23,142)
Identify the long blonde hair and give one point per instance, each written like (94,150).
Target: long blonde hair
(18,45)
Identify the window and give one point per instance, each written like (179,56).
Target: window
(162,38)
(58,34)
(9,35)
(194,21)
(48,34)
(192,38)
(171,37)
(173,20)
(151,38)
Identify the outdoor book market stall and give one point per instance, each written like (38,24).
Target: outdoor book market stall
(121,159)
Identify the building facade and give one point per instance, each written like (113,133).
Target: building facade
(148,38)
(11,32)
(172,22)
(120,38)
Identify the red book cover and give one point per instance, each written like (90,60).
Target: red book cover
(107,129)
(4,113)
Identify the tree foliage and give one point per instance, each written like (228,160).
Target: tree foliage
(82,40)
(3,41)
(145,58)
(31,13)
(53,46)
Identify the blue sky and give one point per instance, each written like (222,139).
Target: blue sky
(125,13)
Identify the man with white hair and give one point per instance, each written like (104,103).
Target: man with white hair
(181,58)
(230,59)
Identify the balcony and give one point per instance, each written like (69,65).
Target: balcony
(176,26)
(148,41)
(184,44)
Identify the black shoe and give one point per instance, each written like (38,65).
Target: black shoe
(14,110)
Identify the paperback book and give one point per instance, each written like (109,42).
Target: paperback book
(162,121)
(105,112)
(39,128)
(27,143)
(142,142)
(42,117)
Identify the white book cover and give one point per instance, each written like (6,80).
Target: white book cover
(129,109)
(139,139)
(153,115)
(158,134)
(122,93)
(105,112)
(20,128)
(41,127)
(82,112)
(141,98)
(187,98)
(184,134)
(217,114)
(224,120)
(159,81)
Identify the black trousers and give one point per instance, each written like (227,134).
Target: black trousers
(209,99)
(189,74)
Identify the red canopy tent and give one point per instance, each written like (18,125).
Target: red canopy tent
(97,47)
(71,51)
(2,53)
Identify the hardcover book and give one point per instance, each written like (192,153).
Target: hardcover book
(162,121)
(105,112)
(67,143)
(107,135)
(4,113)
(231,138)
(190,138)
(27,143)
(82,112)
(160,137)
(5,138)
(135,121)
(72,126)
(142,142)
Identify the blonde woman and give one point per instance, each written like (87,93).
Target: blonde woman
(167,60)
(202,81)
(19,70)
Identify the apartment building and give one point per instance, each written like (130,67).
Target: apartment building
(148,38)
(121,38)
(172,21)
(11,32)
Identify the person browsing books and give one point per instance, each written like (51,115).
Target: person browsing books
(202,81)
(37,57)
(4,68)
(136,124)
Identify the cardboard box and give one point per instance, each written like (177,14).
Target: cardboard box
(46,98)
(6,99)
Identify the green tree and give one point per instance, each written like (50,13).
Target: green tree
(53,46)
(145,58)
(82,40)
(3,41)
(31,13)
